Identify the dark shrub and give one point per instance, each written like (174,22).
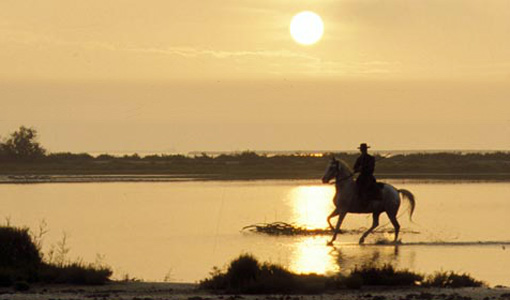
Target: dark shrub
(353,281)
(452,280)
(216,281)
(20,261)
(21,286)
(386,275)
(246,275)
(242,271)
(75,273)
(272,279)
(17,249)
(19,256)
(309,284)
(7,277)
(22,145)
(105,157)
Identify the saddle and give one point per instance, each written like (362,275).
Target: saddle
(373,193)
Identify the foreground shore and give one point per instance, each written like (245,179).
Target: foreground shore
(178,291)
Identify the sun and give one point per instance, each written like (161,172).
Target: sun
(306,28)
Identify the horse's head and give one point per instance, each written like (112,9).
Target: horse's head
(332,170)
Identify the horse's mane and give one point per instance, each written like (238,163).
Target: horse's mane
(345,166)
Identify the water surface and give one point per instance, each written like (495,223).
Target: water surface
(179,230)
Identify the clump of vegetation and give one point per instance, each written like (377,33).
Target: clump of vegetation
(247,275)
(21,262)
(22,145)
(19,257)
(452,280)
(351,282)
(75,273)
(386,276)
(21,286)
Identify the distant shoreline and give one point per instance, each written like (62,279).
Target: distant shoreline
(70,167)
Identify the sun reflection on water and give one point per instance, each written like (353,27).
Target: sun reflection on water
(311,205)
(313,256)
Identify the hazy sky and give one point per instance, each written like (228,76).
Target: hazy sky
(163,75)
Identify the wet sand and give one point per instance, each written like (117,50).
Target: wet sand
(178,291)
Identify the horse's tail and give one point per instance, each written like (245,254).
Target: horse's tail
(410,197)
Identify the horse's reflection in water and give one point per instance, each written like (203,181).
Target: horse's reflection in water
(349,258)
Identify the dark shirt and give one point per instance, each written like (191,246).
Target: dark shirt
(365,164)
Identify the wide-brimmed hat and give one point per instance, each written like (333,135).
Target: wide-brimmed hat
(363,146)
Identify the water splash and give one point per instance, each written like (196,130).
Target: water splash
(289,229)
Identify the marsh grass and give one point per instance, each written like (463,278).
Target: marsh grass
(451,280)
(19,257)
(247,275)
(21,260)
(74,273)
(386,275)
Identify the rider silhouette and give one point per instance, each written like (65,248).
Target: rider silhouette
(366,184)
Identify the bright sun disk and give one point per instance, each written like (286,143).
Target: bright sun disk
(306,28)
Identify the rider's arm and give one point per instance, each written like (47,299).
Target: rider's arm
(371,165)
(357,165)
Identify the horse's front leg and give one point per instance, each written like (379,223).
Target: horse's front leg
(341,217)
(332,215)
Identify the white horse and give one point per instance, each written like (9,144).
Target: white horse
(346,200)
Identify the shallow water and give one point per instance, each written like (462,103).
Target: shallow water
(179,230)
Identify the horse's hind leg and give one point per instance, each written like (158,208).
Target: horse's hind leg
(396,225)
(375,223)
(332,215)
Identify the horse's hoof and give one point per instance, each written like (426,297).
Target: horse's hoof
(330,243)
(361,241)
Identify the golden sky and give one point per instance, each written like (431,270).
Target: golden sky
(164,75)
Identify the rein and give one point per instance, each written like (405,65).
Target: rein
(343,178)
(339,179)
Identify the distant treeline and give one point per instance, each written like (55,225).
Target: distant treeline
(21,146)
(22,154)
